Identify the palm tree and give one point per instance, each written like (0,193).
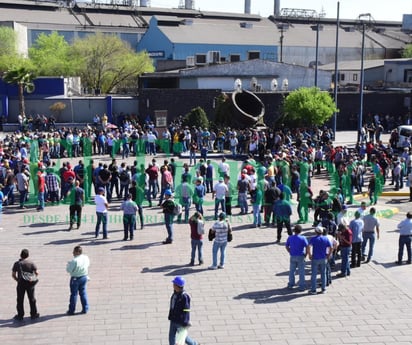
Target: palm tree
(23,78)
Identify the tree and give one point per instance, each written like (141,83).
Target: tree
(308,106)
(224,111)
(23,78)
(107,62)
(57,108)
(197,118)
(407,51)
(8,47)
(51,55)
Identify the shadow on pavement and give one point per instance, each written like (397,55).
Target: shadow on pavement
(254,245)
(273,296)
(138,246)
(11,323)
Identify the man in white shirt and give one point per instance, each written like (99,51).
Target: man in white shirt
(219,193)
(223,168)
(101,212)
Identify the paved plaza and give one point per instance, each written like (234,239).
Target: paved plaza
(247,302)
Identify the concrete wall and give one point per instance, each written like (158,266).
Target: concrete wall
(78,110)
(180,102)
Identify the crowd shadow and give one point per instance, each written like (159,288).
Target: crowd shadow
(254,245)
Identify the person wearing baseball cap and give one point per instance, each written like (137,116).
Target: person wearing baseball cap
(319,252)
(179,314)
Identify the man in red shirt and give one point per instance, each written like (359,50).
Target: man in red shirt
(41,183)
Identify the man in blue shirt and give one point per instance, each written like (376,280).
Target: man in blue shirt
(296,245)
(356,225)
(319,251)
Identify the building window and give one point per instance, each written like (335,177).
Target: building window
(407,76)
(355,77)
(234,57)
(342,77)
(252,55)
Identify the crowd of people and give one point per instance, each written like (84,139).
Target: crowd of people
(268,170)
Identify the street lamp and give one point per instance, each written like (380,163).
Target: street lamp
(336,82)
(362,70)
(282,27)
(317,28)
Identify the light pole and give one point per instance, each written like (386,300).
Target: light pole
(362,70)
(282,27)
(317,28)
(336,85)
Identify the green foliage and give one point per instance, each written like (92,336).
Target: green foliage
(407,51)
(8,48)
(23,77)
(197,117)
(308,106)
(224,111)
(107,62)
(51,55)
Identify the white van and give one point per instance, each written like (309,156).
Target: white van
(405,132)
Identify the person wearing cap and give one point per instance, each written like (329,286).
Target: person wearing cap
(219,194)
(297,247)
(101,212)
(319,251)
(405,235)
(220,229)
(179,314)
(168,206)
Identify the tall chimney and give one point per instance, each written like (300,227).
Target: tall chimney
(277,8)
(247,6)
(189,4)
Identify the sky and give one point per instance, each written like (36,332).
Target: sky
(349,9)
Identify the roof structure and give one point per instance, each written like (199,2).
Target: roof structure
(217,31)
(354,65)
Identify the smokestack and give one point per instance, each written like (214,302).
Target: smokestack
(247,6)
(189,4)
(277,8)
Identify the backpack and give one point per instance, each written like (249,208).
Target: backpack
(124,176)
(177,210)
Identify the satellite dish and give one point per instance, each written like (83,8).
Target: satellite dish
(237,85)
(285,85)
(274,85)
(253,83)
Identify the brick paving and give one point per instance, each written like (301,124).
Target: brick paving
(245,303)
